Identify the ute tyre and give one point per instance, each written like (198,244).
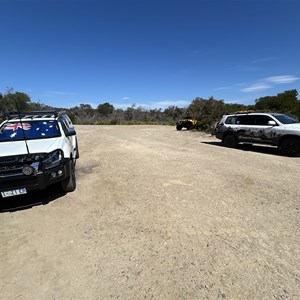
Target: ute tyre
(77,150)
(290,147)
(230,141)
(178,127)
(69,183)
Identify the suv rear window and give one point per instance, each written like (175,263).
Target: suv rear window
(245,120)
(230,120)
(12,131)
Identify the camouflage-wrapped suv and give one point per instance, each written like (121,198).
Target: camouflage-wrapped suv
(260,128)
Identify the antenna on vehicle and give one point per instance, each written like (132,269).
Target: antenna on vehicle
(21,122)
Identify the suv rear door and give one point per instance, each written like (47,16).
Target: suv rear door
(244,127)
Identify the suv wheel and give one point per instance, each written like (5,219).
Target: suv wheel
(290,147)
(69,184)
(178,127)
(230,140)
(189,126)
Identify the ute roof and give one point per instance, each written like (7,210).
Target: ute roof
(35,114)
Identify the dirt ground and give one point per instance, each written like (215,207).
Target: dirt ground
(159,214)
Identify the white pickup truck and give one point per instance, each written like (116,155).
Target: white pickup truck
(37,149)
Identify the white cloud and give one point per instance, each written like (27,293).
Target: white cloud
(233,86)
(269,82)
(125,98)
(282,79)
(257,87)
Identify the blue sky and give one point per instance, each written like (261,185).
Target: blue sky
(147,52)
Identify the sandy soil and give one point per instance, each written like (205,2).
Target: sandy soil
(158,214)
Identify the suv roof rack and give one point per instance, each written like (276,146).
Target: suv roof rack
(245,111)
(35,114)
(252,111)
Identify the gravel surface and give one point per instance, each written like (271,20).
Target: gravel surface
(161,214)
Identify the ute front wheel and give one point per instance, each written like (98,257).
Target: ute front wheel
(69,183)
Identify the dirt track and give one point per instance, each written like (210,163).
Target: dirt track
(158,214)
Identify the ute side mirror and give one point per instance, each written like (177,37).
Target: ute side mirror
(71,132)
(272,123)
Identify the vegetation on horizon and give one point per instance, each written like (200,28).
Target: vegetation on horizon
(206,111)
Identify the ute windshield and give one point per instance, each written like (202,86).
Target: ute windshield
(284,119)
(30,130)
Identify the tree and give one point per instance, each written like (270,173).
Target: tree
(206,111)
(285,102)
(173,112)
(84,114)
(14,101)
(234,107)
(105,109)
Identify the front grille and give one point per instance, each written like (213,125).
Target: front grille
(12,165)
(10,170)
(26,158)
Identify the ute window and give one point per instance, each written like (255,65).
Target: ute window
(13,131)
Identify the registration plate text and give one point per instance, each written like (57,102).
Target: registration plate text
(15,192)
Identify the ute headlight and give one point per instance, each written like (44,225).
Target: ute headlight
(53,159)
